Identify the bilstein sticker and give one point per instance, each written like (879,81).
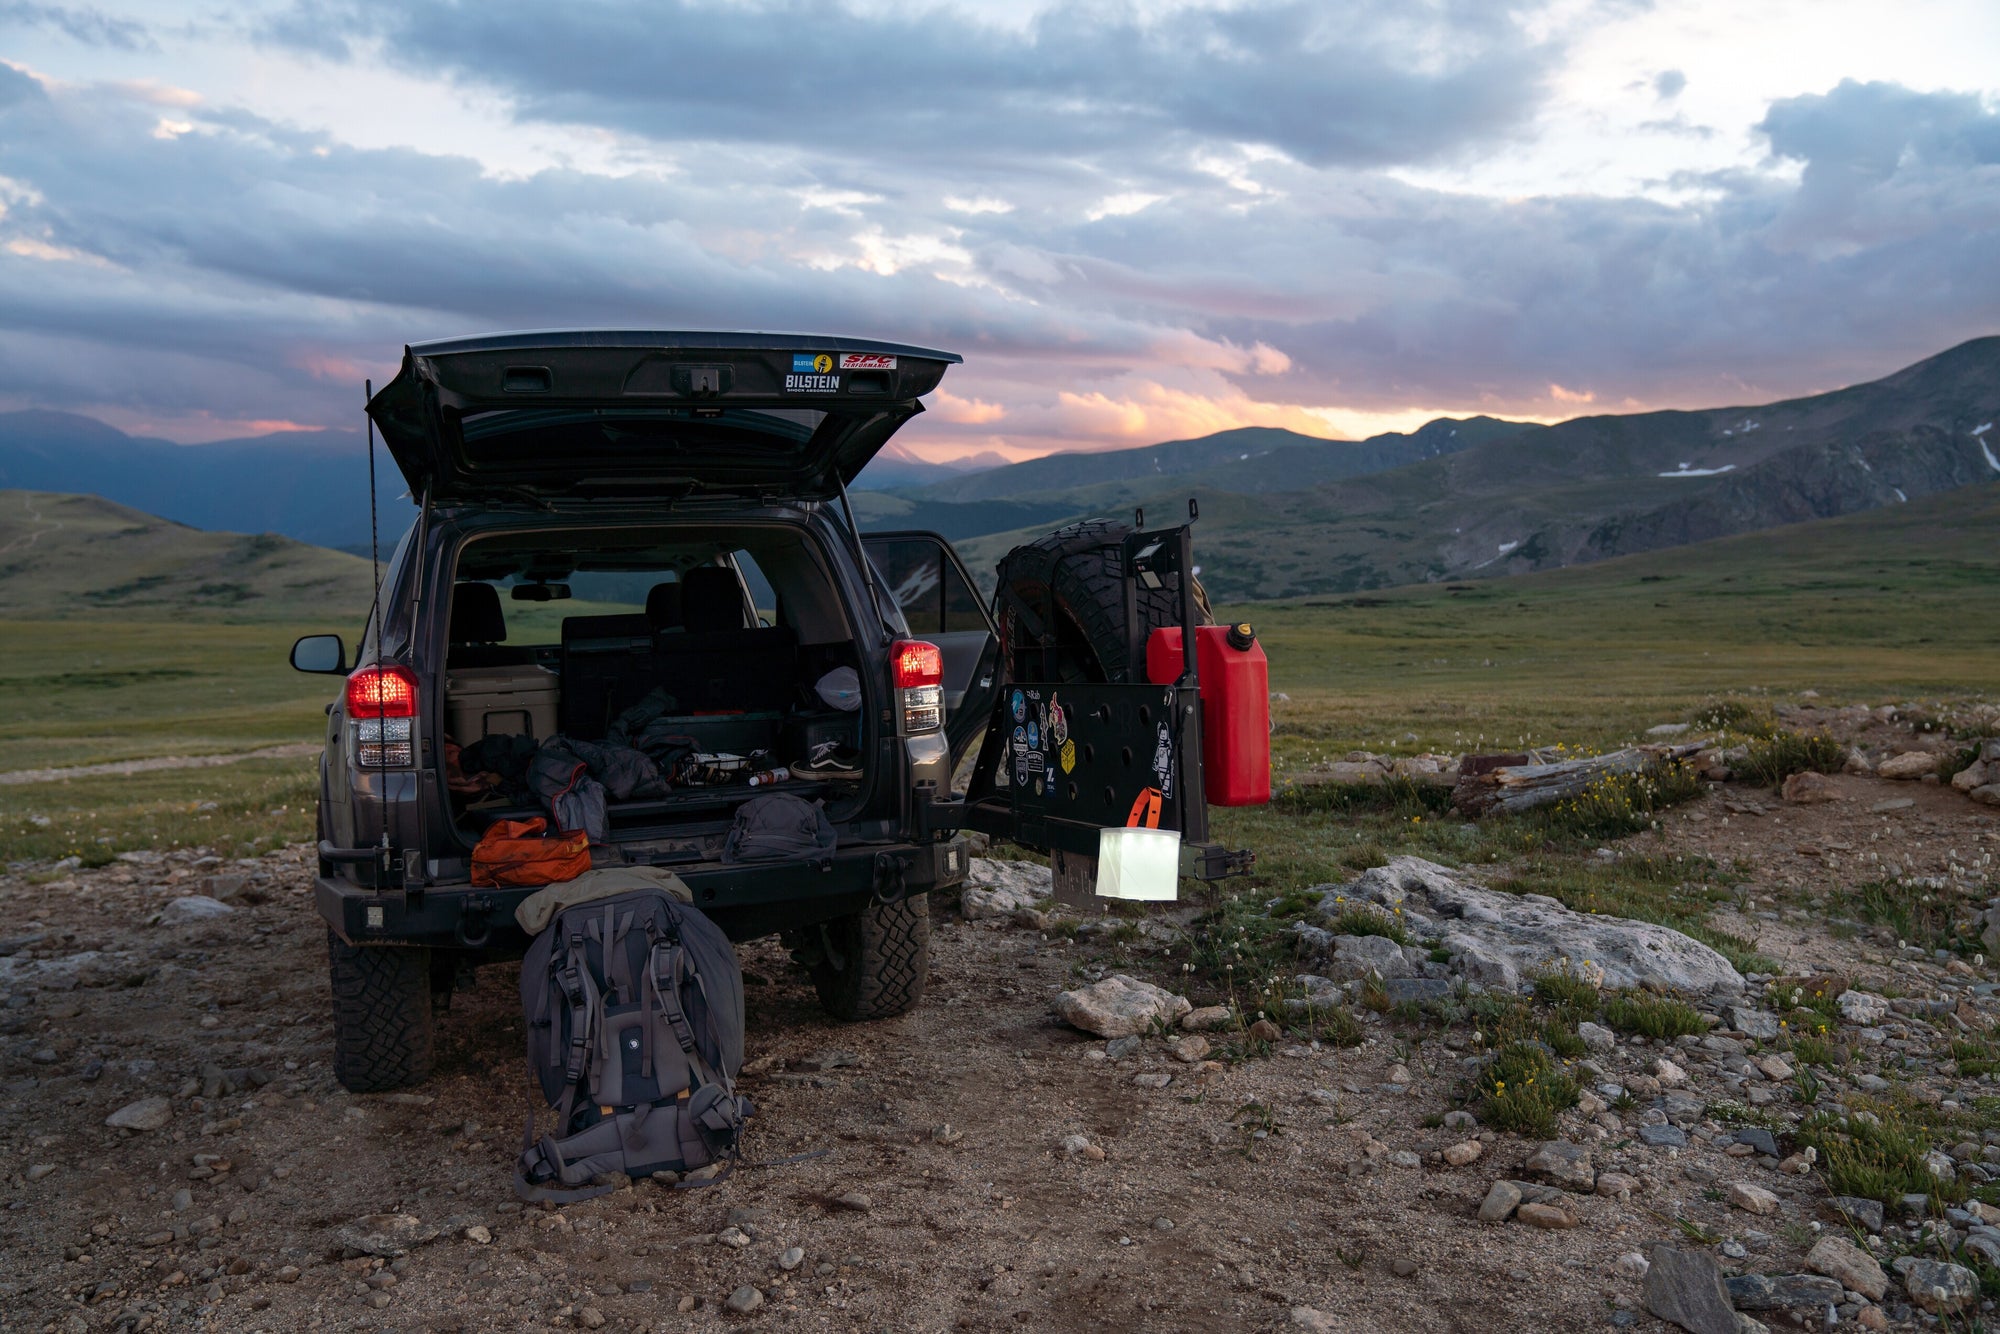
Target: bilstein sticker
(866,361)
(812,384)
(806,363)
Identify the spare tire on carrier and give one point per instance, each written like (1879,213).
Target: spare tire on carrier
(1062,608)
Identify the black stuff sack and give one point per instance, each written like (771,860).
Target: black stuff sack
(634,1014)
(778,827)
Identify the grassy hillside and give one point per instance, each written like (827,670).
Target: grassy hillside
(65,555)
(1894,604)
(1537,498)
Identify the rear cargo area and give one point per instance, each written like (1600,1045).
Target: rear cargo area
(663,675)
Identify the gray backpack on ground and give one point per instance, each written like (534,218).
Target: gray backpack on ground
(778,827)
(634,1010)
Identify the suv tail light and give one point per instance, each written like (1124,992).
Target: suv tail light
(382,709)
(918,668)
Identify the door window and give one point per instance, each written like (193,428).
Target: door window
(934,595)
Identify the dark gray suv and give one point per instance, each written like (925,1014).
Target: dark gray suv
(622,530)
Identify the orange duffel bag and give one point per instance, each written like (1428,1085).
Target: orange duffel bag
(517,852)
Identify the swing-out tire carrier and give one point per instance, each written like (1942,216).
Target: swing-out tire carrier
(747,901)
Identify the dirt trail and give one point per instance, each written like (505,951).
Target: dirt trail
(289,750)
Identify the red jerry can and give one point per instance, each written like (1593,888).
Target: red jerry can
(1235,707)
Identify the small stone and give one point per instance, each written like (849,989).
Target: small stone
(1266,1031)
(1671,1076)
(1775,1067)
(1120,1006)
(1403,1267)
(145,1114)
(590,1318)
(733,1237)
(1872,1318)
(1399,1073)
(1405,1159)
(1596,1036)
(1910,764)
(854,1201)
(1772,1292)
(1940,1288)
(1861,1007)
(1119,1048)
(1545,1216)
(1616,1185)
(1207,1019)
(1502,1198)
(183,1200)
(478,1235)
(1561,1163)
(1464,1153)
(1757,1140)
(1853,1268)
(1460,1121)
(687,1303)
(1632,1265)
(1684,1287)
(286,1274)
(792,1258)
(745,1300)
(1190,1049)
(1077,1146)
(1754,1199)
(1663,1137)
(1867,1213)
(1152,1079)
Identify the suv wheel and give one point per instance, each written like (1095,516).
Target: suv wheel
(873,964)
(381,1015)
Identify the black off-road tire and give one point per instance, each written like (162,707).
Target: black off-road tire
(382,1025)
(874,964)
(1074,579)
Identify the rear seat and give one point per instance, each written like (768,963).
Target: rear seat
(717,661)
(477,628)
(693,640)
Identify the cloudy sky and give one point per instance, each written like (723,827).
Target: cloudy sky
(1138,219)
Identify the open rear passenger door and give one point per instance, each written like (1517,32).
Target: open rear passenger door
(941,604)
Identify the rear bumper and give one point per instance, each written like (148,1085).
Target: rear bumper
(746,901)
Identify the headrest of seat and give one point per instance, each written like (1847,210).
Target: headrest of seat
(711,599)
(476,617)
(663,606)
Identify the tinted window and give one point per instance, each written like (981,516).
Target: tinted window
(934,596)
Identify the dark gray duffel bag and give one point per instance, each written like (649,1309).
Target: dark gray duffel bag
(634,1011)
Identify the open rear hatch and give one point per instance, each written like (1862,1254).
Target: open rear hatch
(623,414)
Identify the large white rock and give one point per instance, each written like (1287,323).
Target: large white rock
(1498,939)
(1120,1007)
(1000,889)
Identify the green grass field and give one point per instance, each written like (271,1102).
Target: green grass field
(1895,605)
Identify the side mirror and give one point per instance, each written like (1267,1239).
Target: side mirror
(323,654)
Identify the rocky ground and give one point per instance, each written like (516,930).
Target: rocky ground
(179,1156)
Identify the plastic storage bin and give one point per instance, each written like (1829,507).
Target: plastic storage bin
(500,701)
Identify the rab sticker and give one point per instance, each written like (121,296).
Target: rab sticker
(866,361)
